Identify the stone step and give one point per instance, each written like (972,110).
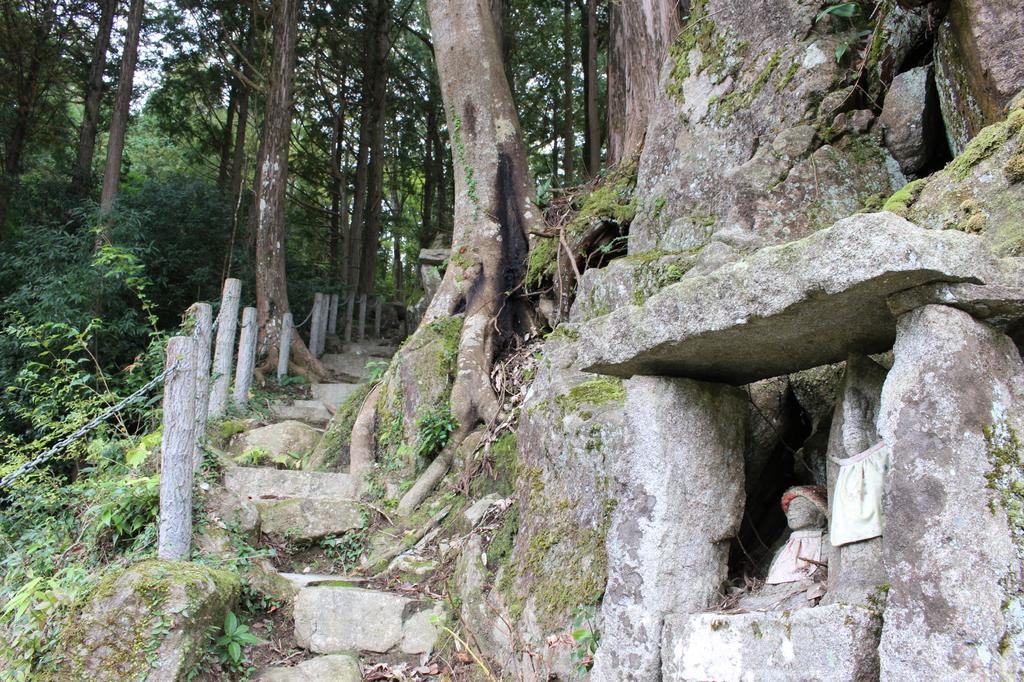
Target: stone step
(333,668)
(301,580)
(307,411)
(307,519)
(259,483)
(332,618)
(282,438)
(333,394)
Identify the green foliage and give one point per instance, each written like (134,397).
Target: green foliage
(346,549)
(377,369)
(435,430)
(586,637)
(235,636)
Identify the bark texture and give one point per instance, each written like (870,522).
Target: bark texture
(94,91)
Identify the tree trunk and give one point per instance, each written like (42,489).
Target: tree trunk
(238,153)
(568,127)
(271,282)
(335,244)
(224,167)
(399,274)
(119,120)
(426,231)
(375,185)
(639,36)
(592,116)
(82,173)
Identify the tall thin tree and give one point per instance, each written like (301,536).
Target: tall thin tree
(82,174)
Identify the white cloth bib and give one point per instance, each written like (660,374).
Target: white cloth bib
(857,501)
(789,565)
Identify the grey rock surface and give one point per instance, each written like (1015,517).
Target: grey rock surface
(261,483)
(282,438)
(307,519)
(332,619)
(332,668)
(333,394)
(681,500)
(836,643)
(855,570)
(908,118)
(307,411)
(953,609)
(998,306)
(784,308)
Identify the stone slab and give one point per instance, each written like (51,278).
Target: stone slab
(331,619)
(434,256)
(999,306)
(261,483)
(306,579)
(333,394)
(308,411)
(282,438)
(305,519)
(836,643)
(784,308)
(333,668)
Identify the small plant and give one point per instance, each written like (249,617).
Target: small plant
(377,369)
(234,637)
(436,429)
(586,636)
(846,10)
(292,380)
(346,549)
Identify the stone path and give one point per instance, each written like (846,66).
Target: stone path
(338,622)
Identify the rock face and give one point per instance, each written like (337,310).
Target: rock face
(679,503)
(280,439)
(110,639)
(978,65)
(335,619)
(823,643)
(855,570)
(950,413)
(910,119)
(784,308)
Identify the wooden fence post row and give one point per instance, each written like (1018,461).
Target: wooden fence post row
(246,357)
(202,314)
(225,346)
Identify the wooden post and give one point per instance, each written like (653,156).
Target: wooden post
(286,346)
(177,447)
(246,357)
(362,317)
(225,346)
(332,321)
(350,309)
(202,313)
(314,323)
(325,313)
(376,318)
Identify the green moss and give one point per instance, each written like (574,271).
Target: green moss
(594,392)
(984,144)
(339,431)
(787,77)
(1013,169)
(742,97)
(1005,478)
(542,261)
(230,427)
(901,202)
(460,153)
(566,332)
(699,32)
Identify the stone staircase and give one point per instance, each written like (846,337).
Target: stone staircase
(347,627)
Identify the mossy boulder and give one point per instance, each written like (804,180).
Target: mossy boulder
(149,621)
(332,450)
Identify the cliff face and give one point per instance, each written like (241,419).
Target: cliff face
(812,188)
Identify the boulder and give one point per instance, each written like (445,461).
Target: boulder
(950,412)
(998,306)
(303,520)
(112,638)
(978,68)
(680,501)
(784,308)
(280,439)
(910,119)
(258,483)
(231,510)
(333,668)
(855,571)
(823,643)
(331,619)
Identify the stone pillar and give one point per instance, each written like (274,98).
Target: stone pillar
(377,305)
(332,319)
(948,412)
(855,571)
(325,314)
(315,327)
(350,309)
(246,357)
(225,346)
(202,314)
(681,500)
(287,325)
(174,538)
(362,317)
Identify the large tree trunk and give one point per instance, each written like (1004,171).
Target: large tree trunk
(241,127)
(271,282)
(224,167)
(568,128)
(639,34)
(375,185)
(592,116)
(337,191)
(119,120)
(426,231)
(494,213)
(82,174)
